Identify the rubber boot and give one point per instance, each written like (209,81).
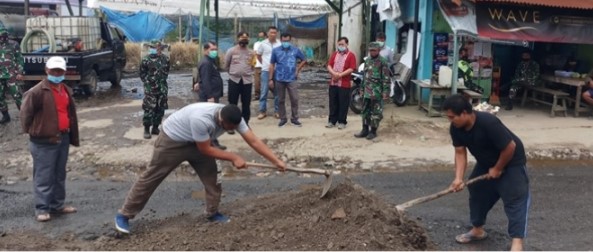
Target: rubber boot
(373,134)
(155,129)
(146,132)
(5,117)
(364,132)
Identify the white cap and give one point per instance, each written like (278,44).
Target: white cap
(56,62)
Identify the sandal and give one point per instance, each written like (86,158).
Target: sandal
(66,210)
(468,237)
(43,217)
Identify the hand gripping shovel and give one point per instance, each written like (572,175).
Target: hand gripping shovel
(328,174)
(401,207)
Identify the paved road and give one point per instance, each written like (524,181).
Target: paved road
(560,217)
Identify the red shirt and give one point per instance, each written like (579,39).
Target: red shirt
(340,62)
(62,102)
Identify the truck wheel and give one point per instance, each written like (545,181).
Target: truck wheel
(116,77)
(90,83)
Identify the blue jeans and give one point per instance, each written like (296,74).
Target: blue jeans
(263,98)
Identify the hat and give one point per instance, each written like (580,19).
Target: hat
(56,62)
(154,43)
(3,30)
(374,45)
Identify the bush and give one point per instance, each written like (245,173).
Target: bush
(181,55)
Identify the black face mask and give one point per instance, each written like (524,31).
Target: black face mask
(243,43)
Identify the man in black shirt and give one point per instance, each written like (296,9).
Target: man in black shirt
(209,86)
(500,154)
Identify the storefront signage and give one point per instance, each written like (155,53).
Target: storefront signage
(534,23)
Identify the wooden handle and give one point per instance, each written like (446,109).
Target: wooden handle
(442,193)
(294,169)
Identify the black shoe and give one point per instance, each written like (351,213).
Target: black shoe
(282,122)
(5,117)
(363,133)
(371,136)
(509,106)
(155,130)
(220,146)
(146,132)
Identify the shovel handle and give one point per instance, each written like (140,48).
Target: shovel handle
(294,169)
(442,193)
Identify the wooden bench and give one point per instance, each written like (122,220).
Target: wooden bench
(474,97)
(558,98)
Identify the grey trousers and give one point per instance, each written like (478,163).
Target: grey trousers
(293,94)
(49,174)
(166,156)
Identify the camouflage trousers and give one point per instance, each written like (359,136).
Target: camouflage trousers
(372,112)
(15,92)
(154,106)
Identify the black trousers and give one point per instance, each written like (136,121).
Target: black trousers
(512,187)
(243,91)
(339,100)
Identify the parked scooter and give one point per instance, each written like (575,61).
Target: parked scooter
(398,93)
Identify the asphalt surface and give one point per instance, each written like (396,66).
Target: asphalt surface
(560,215)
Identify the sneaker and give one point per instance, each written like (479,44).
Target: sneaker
(121,223)
(277,115)
(261,116)
(282,123)
(341,126)
(330,125)
(296,123)
(220,218)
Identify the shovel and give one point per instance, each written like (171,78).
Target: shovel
(328,175)
(402,207)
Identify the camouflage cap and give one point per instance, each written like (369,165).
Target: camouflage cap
(3,30)
(154,43)
(374,45)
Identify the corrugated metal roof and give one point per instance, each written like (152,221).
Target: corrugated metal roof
(576,4)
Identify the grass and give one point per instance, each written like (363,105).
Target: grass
(181,55)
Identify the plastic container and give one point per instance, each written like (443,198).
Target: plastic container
(445,76)
(64,29)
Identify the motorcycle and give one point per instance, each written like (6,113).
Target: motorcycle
(398,90)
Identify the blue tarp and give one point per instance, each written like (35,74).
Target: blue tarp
(207,34)
(320,23)
(140,26)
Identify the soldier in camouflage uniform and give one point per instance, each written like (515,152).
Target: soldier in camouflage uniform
(375,89)
(154,71)
(526,74)
(11,69)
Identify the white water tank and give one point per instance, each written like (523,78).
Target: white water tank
(88,29)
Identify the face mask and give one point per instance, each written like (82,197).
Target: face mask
(152,51)
(55,79)
(381,43)
(213,54)
(261,39)
(285,44)
(341,48)
(243,43)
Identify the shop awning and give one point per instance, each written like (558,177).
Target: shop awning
(566,21)
(573,4)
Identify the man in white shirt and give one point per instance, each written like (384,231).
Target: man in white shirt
(186,136)
(261,36)
(386,51)
(264,54)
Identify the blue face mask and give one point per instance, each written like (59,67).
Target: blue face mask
(152,51)
(55,79)
(285,44)
(213,54)
(341,48)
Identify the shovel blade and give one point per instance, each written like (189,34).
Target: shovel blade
(327,184)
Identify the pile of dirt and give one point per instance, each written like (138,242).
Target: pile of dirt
(349,218)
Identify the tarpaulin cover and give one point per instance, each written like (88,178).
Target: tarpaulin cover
(139,26)
(320,23)
(225,41)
